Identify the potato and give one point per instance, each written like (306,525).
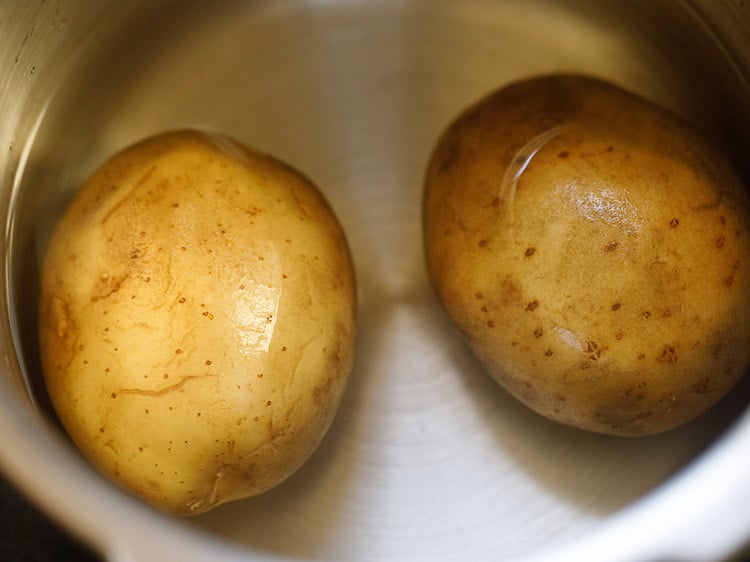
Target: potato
(197,320)
(594,252)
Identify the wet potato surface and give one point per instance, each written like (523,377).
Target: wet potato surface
(197,320)
(594,252)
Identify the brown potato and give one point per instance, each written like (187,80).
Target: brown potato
(594,251)
(197,320)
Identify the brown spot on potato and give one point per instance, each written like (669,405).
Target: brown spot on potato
(530,251)
(720,241)
(705,385)
(538,332)
(563,154)
(636,393)
(616,306)
(490,324)
(646,314)
(549,353)
(728,281)
(483,243)
(611,246)
(593,350)
(532,306)
(632,396)
(674,223)
(668,355)
(106,286)
(640,416)
(510,291)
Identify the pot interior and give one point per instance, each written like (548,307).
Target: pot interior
(428,459)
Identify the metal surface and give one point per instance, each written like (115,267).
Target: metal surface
(428,459)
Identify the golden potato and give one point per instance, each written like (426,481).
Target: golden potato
(197,320)
(594,252)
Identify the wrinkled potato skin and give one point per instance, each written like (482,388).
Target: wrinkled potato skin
(594,251)
(197,320)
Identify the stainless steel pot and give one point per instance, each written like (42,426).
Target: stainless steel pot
(428,460)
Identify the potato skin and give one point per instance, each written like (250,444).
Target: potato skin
(594,252)
(197,320)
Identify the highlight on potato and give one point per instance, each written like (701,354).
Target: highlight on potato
(197,320)
(594,251)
